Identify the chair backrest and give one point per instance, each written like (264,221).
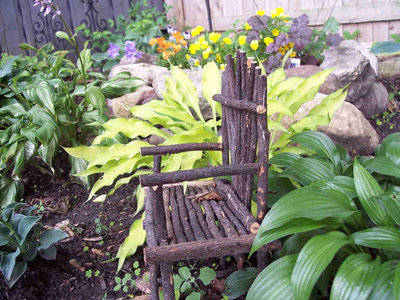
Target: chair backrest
(245,130)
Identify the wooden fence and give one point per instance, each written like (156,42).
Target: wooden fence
(20,22)
(376,19)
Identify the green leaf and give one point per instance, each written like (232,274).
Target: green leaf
(383,288)
(19,270)
(320,143)
(355,278)
(119,88)
(385,48)
(7,263)
(85,61)
(6,67)
(383,165)
(308,202)
(284,159)
(274,282)
(50,237)
(331,25)
(391,201)
(207,275)
(311,169)
(194,296)
(239,282)
(177,282)
(367,187)
(5,235)
(96,98)
(312,261)
(387,238)
(25,46)
(136,238)
(25,226)
(49,253)
(342,183)
(211,85)
(62,35)
(185,273)
(186,287)
(396,282)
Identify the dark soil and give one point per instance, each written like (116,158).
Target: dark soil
(389,121)
(59,279)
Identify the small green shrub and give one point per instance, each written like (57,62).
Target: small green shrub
(22,238)
(185,283)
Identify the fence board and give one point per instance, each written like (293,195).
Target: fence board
(380,31)
(394,27)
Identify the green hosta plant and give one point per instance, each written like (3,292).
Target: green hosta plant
(340,230)
(22,238)
(185,283)
(386,48)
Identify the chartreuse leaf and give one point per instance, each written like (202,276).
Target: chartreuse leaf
(383,165)
(131,128)
(308,202)
(367,187)
(283,87)
(239,282)
(320,143)
(383,287)
(312,261)
(277,107)
(136,238)
(277,76)
(329,104)
(187,89)
(274,282)
(380,237)
(294,226)
(211,85)
(355,278)
(172,96)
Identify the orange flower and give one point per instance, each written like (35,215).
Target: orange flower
(152,42)
(167,54)
(176,47)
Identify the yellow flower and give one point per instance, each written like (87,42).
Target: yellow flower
(242,40)
(218,58)
(227,41)
(282,50)
(247,26)
(290,45)
(187,56)
(268,40)
(201,39)
(214,37)
(293,54)
(254,45)
(260,12)
(275,32)
(196,63)
(204,45)
(192,49)
(280,11)
(197,30)
(222,67)
(206,54)
(274,14)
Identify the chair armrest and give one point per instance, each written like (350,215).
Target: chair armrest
(162,150)
(188,175)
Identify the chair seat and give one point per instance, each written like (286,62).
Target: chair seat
(200,214)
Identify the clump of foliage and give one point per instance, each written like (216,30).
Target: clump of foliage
(22,238)
(339,229)
(140,26)
(185,283)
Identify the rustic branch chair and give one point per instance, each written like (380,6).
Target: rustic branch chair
(177,228)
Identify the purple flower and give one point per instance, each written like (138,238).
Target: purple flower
(113,51)
(131,51)
(186,35)
(171,30)
(47,6)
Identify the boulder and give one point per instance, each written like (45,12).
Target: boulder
(348,127)
(389,66)
(364,48)
(121,104)
(146,58)
(147,72)
(329,86)
(374,102)
(350,67)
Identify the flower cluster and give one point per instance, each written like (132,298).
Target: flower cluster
(47,6)
(130,50)
(169,47)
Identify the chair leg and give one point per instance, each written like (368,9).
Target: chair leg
(154,271)
(262,260)
(167,281)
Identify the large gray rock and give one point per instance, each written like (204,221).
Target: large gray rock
(374,102)
(329,86)
(350,67)
(348,127)
(389,66)
(121,104)
(195,76)
(147,72)
(364,48)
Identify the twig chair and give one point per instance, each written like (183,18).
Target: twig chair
(183,226)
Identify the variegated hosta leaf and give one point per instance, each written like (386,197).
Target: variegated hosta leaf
(211,85)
